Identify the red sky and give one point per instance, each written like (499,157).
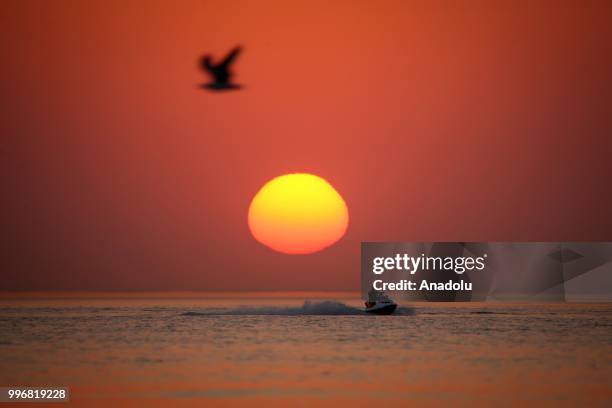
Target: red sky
(435,120)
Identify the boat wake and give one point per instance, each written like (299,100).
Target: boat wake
(309,308)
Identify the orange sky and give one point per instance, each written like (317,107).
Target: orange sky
(435,121)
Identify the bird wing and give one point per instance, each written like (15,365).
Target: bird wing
(230,57)
(206,63)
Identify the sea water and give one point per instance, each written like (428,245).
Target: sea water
(304,349)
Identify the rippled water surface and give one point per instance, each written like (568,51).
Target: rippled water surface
(304,349)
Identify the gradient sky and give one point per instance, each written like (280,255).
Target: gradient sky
(435,121)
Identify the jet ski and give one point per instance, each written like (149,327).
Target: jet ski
(379,303)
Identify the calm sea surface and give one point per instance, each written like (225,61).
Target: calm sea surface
(304,349)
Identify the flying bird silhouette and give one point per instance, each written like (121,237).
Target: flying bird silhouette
(222,76)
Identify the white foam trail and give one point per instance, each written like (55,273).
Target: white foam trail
(309,308)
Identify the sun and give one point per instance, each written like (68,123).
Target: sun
(298,213)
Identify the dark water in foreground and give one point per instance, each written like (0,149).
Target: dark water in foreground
(275,349)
